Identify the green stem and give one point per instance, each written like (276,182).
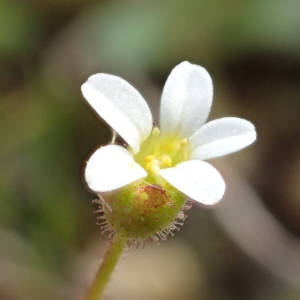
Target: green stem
(106,268)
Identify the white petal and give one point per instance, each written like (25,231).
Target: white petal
(186,99)
(197,179)
(111,167)
(120,105)
(221,137)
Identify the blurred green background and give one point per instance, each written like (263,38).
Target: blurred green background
(245,248)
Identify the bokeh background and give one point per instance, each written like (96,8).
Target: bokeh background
(245,248)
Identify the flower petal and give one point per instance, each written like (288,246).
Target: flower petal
(186,99)
(197,179)
(221,137)
(120,105)
(111,167)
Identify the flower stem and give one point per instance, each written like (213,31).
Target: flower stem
(106,268)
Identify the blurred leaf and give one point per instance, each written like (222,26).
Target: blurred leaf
(18,27)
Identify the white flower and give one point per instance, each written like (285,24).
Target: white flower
(175,152)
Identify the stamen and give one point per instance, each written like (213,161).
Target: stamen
(154,167)
(149,158)
(183,142)
(166,161)
(155,131)
(153,164)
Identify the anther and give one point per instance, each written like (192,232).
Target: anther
(166,161)
(183,142)
(155,131)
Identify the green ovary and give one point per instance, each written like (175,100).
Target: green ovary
(146,207)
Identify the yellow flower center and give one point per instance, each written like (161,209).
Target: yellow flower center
(161,151)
